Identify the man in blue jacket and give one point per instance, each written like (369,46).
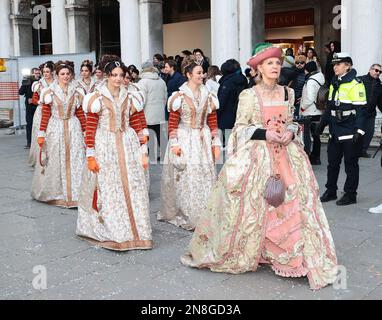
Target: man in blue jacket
(174,81)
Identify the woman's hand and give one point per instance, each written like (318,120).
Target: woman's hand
(287,138)
(177,151)
(145,161)
(216,153)
(93,166)
(273,137)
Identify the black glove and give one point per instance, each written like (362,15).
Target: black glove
(357,137)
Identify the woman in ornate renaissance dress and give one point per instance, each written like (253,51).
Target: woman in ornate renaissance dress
(62,151)
(87,82)
(113,210)
(189,170)
(243,226)
(47,70)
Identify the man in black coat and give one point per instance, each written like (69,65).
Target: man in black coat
(299,82)
(174,79)
(232,84)
(26,91)
(374,99)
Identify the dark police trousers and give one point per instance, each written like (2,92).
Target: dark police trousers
(29,114)
(351,153)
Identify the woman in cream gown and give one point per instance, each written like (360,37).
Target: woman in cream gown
(189,168)
(47,70)
(57,175)
(113,211)
(240,229)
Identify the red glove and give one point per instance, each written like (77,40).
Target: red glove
(41,141)
(93,166)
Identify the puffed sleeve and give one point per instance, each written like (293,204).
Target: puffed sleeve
(92,103)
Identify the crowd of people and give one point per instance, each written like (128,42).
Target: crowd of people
(89,146)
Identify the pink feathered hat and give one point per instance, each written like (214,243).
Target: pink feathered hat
(263,51)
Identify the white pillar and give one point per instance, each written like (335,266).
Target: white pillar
(6,29)
(245,31)
(151,22)
(361,32)
(130,32)
(21,20)
(60,31)
(224,31)
(78,26)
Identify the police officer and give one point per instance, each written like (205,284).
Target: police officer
(345,115)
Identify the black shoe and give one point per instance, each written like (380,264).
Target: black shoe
(315,162)
(365,155)
(346,200)
(28,146)
(328,196)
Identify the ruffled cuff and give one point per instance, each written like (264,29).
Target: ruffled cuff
(146,132)
(41,134)
(90,152)
(144,149)
(294,128)
(173,142)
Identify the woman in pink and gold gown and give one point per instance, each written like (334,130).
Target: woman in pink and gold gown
(240,229)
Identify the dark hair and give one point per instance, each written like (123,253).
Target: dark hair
(289,52)
(170,58)
(88,64)
(64,65)
(172,64)
(48,64)
(198,50)
(337,46)
(212,72)
(187,52)
(230,66)
(314,52)
(159,57)
(188,65)
(109,62)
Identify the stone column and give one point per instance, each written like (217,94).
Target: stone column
(224,31)
(251,27)
(60,31)
(6,29)
(361,32)
(78,25)
(130,32)
(151,22)
(22,28)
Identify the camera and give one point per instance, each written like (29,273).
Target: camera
(27,80)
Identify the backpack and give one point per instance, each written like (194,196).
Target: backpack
(322,96)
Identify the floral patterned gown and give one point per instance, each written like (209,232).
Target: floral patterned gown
(113,210)
(57,174)
(239,230)
(188,179)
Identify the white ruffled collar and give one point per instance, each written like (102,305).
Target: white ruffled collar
(55,87)
(185,89)
(104,90)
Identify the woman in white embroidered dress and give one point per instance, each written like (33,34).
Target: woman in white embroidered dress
(47,70)
(113,211)
(189,170)
(58,174)
(87,82)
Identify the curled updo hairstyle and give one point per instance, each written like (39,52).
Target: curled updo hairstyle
(64,65)
(109,62)
(88,64)
(49,65)
(188,65)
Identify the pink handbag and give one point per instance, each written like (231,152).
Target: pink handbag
(274,191)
